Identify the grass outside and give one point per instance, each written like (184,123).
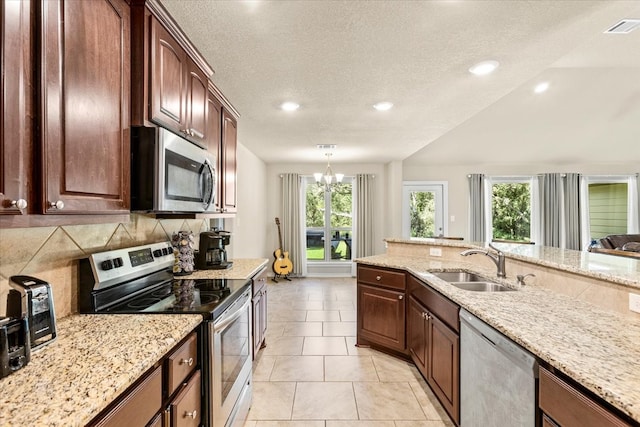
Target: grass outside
(316,253)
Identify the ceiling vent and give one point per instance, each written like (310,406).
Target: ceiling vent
(624,27)
(326,146)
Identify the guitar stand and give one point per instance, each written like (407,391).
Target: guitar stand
(281,276)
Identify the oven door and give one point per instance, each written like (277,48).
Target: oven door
(231,371)
(187,177)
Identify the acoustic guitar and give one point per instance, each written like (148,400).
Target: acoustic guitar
(282,266)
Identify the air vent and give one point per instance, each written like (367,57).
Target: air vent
(624,27)
(326,146)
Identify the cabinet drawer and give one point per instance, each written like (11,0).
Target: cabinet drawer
(436,303)
(139,405)
(569,407)
(181,363)
(382,277)
(185,408)
(259,282)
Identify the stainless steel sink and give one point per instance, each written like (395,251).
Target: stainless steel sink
(481,286)
(459,276)
(471,281)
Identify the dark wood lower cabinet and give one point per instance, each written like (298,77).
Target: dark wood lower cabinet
(417,334)
(563,405)
(443,362)
(381,317)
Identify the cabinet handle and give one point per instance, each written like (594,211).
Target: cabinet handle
(185,131)
(188,361)
(20,204)
(191,414)
(378,278)
(400,296)
(59,205)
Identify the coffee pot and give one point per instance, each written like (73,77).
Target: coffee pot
(212,254)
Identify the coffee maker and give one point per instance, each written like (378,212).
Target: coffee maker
(15,347)
(32,299)
(212,254)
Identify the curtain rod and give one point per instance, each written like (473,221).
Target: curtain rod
(308,176)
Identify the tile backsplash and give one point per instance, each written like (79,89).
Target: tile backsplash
(52,253)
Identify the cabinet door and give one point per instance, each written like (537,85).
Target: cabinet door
(186,407)
(381,316)
(15,106)
(257,323)
(85,106)
(263,314)
(168,67)
(417,337)
(229,148)
(443,365)
(197,101)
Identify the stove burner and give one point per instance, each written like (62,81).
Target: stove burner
(207,298)
(142,303)
(161,293)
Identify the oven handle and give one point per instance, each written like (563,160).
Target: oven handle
(219,326)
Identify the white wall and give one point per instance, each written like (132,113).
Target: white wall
(456,176)
(251,224)
(274,196)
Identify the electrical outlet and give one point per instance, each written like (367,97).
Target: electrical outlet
(435,251)
(634,302)
(453,218)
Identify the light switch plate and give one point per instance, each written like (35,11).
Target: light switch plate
(435,251)
(634,302)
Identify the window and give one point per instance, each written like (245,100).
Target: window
(611,207)
(329,221)
(423,209)
(511,209)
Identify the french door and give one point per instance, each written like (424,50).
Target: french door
(423,209)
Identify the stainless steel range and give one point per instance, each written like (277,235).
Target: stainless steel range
(139,280)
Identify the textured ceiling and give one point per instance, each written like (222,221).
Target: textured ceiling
(337,58)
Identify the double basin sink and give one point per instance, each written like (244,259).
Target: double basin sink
(470,281)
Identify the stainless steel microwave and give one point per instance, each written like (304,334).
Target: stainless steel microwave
(169,173)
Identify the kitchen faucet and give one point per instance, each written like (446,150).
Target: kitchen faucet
(497,258)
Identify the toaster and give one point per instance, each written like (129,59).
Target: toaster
(32,299)
(15,348)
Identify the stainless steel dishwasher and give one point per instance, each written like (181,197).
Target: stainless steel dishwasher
(497,378)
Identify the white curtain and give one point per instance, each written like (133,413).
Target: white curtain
(478,203)
(291,223)
(585,224)
(363,221)
(633,208)
(572,205)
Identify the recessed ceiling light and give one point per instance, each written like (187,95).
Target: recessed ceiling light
(383,106)
(290,106)
(483,68)
(541,87)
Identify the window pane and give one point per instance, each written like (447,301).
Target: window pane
(315,245)
(607,209)
(341,204)
(315,206)
(341,245)
(422,211)
(511,211)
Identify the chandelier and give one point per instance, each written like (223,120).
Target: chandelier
(328,179)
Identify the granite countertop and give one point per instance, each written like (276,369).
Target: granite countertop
(243,268)
(616,269)
(92,361)
(597,348)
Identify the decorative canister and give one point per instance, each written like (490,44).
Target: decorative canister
(183,243)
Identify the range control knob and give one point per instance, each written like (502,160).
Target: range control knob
(157,253)
(117,262)
(107,265)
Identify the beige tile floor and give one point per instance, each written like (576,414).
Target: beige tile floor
(311,374)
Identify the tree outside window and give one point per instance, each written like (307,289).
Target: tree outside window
(511,211)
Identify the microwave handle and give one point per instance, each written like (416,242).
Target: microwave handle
(212,172)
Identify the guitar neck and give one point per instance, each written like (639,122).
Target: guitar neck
(280,236)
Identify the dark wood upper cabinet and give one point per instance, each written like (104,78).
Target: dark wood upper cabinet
(16,106)
(84,100)
(214,124)
(168,80)
(227,196)
(197,91)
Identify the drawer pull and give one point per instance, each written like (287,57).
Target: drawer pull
(20,204)
(188,361)
(400,296)
(193,414)
(378,278)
